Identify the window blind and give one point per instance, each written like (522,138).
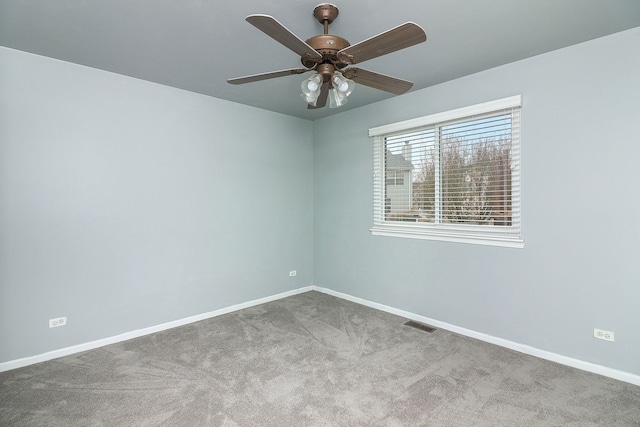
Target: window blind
(458,177)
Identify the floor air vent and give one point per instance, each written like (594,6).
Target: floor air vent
(421,326)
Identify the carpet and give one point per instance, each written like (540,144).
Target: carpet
(310,360)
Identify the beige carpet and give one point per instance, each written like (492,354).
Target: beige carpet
(310,360)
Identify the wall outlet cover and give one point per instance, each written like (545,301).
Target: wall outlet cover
(58,321)
(604,335)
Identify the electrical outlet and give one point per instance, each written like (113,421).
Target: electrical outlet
(292,273)
(604,335)
(58,321)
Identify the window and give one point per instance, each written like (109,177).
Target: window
(394,177)
(452,176)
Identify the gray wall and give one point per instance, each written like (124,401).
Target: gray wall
(125,204)
(581,210)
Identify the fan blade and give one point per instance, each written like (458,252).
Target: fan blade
(322,99)
(266,76)
(403,36)
(377,81)
(274,29)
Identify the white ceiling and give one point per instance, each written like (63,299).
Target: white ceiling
(197,44)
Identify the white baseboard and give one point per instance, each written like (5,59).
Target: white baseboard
(522,348)
(564,360)
(19,363)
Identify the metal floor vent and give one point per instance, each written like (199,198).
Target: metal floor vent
(421,326)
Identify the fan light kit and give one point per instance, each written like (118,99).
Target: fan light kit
(330,57)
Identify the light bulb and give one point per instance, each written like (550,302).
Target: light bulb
(311,89)
(342,84)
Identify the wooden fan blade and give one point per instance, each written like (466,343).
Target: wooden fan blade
(266,76)
(403,36)
(274,29)
(322,98)
(377,81)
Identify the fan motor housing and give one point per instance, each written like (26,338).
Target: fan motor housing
(328,46)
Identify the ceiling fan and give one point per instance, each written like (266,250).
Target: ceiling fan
(331,56)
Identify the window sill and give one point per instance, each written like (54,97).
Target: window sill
(506,241)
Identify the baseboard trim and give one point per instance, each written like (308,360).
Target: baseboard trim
(522,348)
(19,363)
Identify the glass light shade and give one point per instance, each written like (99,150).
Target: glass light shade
(311,89)
(336,98)
(342,84)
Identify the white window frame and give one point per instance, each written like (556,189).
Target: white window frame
(507,236)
